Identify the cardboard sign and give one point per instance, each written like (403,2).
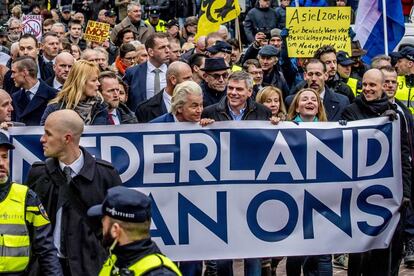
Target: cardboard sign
(311,28)
(96,31)
(32,24)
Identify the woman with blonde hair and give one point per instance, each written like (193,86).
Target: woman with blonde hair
(271,97)
(307,106)
(80,93)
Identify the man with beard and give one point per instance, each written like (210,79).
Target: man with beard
(15,30)
(327,54)
(68,182)
(23,216)
(118,113)
(63,64)
(126,220)
(315,77)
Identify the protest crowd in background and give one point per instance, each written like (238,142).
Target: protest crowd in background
(116,62)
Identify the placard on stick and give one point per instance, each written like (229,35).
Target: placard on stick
(96,31)
(311,28)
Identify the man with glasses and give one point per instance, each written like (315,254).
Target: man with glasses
(252,66)
(214,85)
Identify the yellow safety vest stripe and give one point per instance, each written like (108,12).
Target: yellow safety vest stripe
(405,94)
(14,235)
(35,217)
(144,265)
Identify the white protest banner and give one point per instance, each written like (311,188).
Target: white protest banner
(252,189)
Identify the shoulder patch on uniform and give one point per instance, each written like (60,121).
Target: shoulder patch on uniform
(43,211)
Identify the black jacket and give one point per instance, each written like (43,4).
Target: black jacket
(151,108)
(220,111)
(338,86)
(125,115)
(131,253)
(362,109)
(211,96)
(81,234)
(259,20)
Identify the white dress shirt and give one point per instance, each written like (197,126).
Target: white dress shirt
(33,90)
(151,76)
(75,168)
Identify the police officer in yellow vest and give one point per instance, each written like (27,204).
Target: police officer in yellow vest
(154,19)
(126,229)
(25,230)
(405,70)
(344,70)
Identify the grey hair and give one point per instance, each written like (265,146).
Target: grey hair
(242,75)
(135,43)
(27,63)
(180,93)
(12,20)
(58,24)
(131,5)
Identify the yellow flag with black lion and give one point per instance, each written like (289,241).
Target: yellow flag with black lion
(214,13)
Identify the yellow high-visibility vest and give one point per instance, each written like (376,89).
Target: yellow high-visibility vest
(14,235)
(353,84)
(405,94)
(160,28)
(141,267)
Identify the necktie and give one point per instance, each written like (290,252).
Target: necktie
(156,80)
(110,119)
(67,172)
(28,94)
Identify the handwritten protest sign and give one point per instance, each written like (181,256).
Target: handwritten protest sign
(311,28)
(32,24)
(96,31)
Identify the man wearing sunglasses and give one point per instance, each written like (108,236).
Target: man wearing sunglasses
(216,74)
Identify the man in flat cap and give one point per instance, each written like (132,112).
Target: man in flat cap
(268,58)
(126,220)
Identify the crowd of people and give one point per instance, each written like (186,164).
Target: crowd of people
(154,68)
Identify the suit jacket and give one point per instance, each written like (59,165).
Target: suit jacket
(334,104)
(136,78)
(31,113)
(151,108)
(166,118)
(46,69)
(85,254)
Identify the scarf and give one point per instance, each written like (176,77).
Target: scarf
(120,65)
(86,109)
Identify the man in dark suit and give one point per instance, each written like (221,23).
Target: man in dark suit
(147,79)
(63,64)
(69,182)
(160,104)
(315,77)
(29,47)
(31,100)
(118,113)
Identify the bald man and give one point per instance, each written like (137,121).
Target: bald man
(6,109)
(63,64)
(160,104)
(68,182)
(373,102)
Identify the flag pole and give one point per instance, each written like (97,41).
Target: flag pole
(238,35)
(384,15)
